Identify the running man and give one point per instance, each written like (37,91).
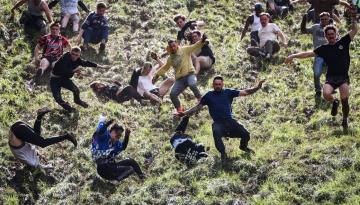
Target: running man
(180,60)
(106,146)
(22,138)
(219,103)
(337,58)
(64,70)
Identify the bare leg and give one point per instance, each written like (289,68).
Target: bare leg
(165,86)
(327,93)
(65,20)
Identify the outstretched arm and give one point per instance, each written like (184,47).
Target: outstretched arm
(193,110)
(354,26)
(47,11)
(246,27)
(303,28)
(18,4)
(346,4)
(252,90)
(307,54)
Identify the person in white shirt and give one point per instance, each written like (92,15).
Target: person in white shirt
(269,34)
(254,21)
(145,86)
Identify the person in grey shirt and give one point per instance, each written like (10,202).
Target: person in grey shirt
(317,31)
(22,139)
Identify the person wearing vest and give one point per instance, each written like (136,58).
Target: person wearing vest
(33,18)
(254,21)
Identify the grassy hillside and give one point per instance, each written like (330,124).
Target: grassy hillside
(301,157)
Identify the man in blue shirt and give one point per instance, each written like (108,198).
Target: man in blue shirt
(106,146)
(219,103)
(95,28)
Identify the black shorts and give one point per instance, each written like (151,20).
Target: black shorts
(337,81)
(155,91)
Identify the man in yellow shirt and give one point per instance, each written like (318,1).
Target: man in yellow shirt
(180,60)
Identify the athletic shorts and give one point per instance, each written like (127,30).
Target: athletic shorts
(337,81)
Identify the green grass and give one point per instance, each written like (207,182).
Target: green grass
(301,157)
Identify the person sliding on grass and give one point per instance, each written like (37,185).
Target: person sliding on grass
(185,27)
(106,146)
(115,92)
(317,31)
(64,69)
(53,46)
(69,11)
(203,58)
(337,58)
(268,35)
(95,28)
(186,150)
(22,137)
(180,60)
(146,88)
(219,103)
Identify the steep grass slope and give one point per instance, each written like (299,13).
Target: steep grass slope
(301,157)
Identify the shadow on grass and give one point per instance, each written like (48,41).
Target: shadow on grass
(25,183)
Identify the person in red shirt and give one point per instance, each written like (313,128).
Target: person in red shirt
(52,46)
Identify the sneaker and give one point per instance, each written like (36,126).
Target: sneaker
(180,109)
(345,125)
(102,46)
(335,106)
(67,107)
(82,104)
(247,150)
(71,138)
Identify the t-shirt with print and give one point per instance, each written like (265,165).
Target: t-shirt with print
(53,46)
(337,57)
(219,103)
(267,33)
(145,82)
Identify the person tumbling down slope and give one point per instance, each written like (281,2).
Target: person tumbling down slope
(115,91)
(106,146)
(22,138)
(64,70)
(219,103)
(186,150)
(180,60)
(337,58)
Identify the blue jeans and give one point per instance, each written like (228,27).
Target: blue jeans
(180,85)
(94,36)
(318,70)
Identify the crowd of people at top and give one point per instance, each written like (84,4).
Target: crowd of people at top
(188,55)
